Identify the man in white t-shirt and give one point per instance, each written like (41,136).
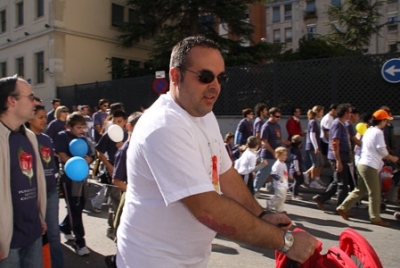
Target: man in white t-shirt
(178,167)
(326,123)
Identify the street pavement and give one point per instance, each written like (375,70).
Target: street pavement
(326,226)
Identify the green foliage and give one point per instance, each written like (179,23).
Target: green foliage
(166,22)
(317,48)
(356,22)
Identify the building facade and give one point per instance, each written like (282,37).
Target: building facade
(289,20)
(53,43)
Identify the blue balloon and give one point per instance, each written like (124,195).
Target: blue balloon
(78,147)
(76,168)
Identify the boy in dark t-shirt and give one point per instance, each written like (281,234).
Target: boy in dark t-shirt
(75,202)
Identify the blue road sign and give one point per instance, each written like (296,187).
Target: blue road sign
(160,85)
(391,71)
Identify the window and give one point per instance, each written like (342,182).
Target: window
(117,68)
(20,13)
(39,8)
(276,15)
(392,23)
(336,3)
(19,63)
(311,31)
(277,36)
(288,12)
(117,16)
(39,67)
(310,7)
(393,47)
(288,34)
(3,26)
(133,16)
(3,69)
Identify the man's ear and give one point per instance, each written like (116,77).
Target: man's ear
(175,75)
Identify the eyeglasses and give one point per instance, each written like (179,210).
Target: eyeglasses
(30,96)
(206,76)
(277,116)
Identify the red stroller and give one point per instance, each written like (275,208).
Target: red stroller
(353,250)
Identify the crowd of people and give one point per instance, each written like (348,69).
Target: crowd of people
(355,151)
(173,181)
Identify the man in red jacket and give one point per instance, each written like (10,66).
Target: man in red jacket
(293,125)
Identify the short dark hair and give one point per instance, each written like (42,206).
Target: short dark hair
(102,101)
(179,54)
(333,106)
(259,108)
(75,119)
(7,88)
(55,100)
(274,110)
(354,110)
(119,113)
(294,109)
(342,109)
(247,111)
(116,106)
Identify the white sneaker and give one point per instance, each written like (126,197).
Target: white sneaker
(257,195)
(69,237)
(316,185)
(297,197)
(83,251)
(306,178)
(288,197)
(268,186)
(320,182)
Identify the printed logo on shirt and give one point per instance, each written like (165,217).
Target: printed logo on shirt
(46,154)
(278,133)
(214,173)
(25,162)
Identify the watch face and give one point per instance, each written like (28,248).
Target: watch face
(289,238)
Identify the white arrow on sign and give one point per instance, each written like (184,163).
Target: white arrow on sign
(392,70)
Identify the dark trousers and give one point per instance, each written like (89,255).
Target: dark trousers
(250,182)
(75,205)
(339,185)
(298,180)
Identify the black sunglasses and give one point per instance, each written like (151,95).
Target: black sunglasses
(206,76)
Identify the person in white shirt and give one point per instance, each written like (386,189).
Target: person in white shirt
(373,151)
(279,175)
(246,165)
(326,123)
(182,188)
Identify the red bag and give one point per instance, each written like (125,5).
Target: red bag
(352,245)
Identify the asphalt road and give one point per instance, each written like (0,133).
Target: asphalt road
(326,226)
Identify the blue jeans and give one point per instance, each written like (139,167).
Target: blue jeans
(53,231)
(28,256)
(262,175)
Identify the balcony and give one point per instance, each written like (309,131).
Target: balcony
(310,14)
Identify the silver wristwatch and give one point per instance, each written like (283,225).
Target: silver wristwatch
(289,240)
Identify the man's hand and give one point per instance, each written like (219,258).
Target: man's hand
(278,219)
(303,247)
(339,166)
(316,151)
(44,228)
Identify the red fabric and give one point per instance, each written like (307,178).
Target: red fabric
(293,127)
(351,244)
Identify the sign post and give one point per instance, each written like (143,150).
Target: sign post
(160,84)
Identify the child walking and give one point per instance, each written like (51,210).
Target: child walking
(279,175)
(247,163)
(296,166)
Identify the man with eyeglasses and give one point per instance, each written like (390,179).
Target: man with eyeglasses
(99,118)
(182,188)
(22,183)
(271,138)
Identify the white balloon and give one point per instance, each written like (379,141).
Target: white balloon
(115,133)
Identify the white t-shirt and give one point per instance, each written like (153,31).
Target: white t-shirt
(373,139)
(246,162)
(326,123)
(280,169)
(171,155)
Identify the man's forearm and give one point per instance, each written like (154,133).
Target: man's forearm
(230,219)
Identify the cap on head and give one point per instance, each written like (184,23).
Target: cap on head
(382,115)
